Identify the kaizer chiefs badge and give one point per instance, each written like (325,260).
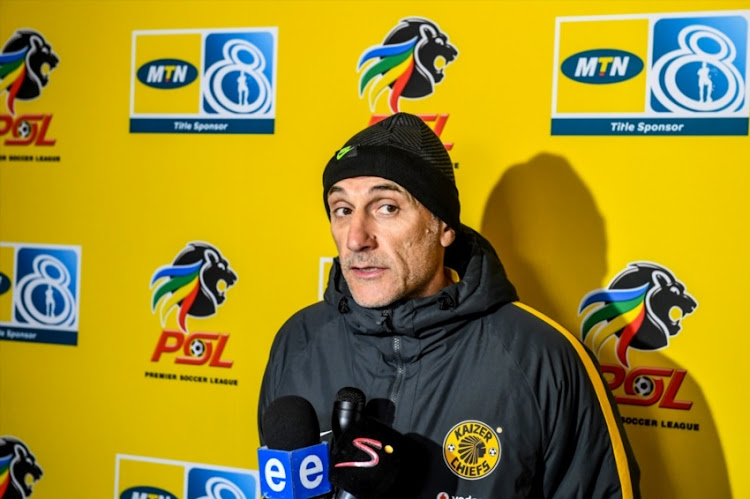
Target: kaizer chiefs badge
(471,450)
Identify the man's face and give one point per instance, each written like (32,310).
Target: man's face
(390,246)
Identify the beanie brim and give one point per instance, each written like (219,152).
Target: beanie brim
(427,184)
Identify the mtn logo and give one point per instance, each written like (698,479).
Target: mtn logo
(601,66)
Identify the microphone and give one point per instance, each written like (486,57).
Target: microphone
(347,410)
(293,464)
(372,460)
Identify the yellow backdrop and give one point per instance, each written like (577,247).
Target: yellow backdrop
(128,158)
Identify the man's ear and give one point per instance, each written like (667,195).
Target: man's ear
(447,235)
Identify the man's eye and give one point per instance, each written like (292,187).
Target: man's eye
(388,209)
(341,211)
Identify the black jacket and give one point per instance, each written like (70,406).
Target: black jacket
(506,403)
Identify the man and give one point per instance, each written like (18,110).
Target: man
(505,403)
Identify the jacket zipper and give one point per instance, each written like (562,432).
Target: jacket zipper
(400,369)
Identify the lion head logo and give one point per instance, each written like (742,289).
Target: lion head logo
(410,62)
(17,464)
(195,284)
(643,307)
(25,63)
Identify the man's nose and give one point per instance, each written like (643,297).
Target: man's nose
(360,236)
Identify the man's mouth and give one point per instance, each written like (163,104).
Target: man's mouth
(366,271)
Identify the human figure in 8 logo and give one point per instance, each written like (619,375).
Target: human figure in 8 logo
(242,88)
(51,274)
(239,56)
(50,301)
(669,85)
(704,83)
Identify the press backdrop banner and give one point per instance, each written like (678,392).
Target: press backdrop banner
(161,215)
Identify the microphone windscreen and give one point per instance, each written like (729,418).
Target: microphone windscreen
(351,394)
(371,460)
(290,423)
(347,409)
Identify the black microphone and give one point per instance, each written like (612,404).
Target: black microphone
(293,464)
(371,460)
(347,409)
(290,423)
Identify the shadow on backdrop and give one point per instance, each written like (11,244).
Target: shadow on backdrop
(545,225)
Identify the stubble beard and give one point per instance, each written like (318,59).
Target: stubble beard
(401,286)
(354,283)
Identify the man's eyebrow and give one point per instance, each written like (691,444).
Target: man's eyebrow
(387,187)
(334,189)
(375,188)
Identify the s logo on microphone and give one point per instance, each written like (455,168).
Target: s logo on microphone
(366,445)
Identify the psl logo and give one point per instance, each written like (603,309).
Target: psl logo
(194,285)
(643,308)
(26,61)
(702,69)
(18,469)
(409,63)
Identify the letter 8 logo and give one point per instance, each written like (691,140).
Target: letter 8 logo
(699,65)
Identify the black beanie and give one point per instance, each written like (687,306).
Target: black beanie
(401,148)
